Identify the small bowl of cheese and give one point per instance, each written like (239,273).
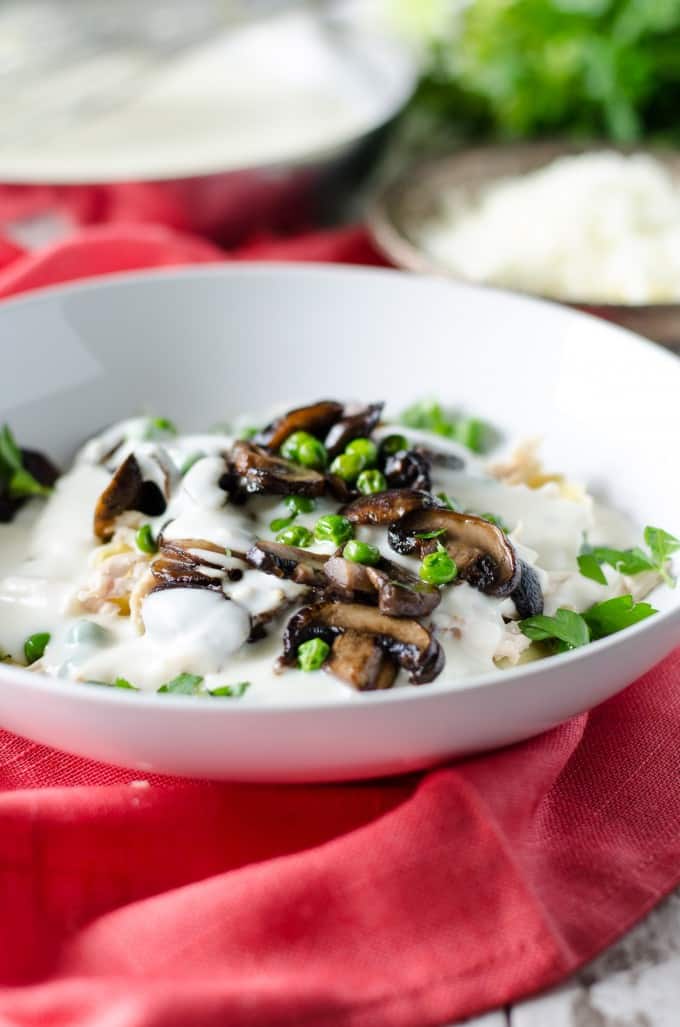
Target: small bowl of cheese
(592,226)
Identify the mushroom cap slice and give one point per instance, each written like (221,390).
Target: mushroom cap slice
(406,641)
(359,661)
(127,490)
(315,419)
(189,563)
(387,507)
(396,591)
(352,426)
(483,555)
(528,596)
(408,469)
(290,562)
(262,472)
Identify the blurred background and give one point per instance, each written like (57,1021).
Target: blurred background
(523,143)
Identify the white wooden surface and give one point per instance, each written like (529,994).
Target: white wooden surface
(635,983)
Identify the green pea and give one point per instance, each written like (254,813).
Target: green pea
(347,466)
(158,427)
(361,552)
(312,655)
(303,448)
(392,444)
(364,448)
(35,646)
(438,568)
(300,504)
(333,528)
(145,540)
(473,433)
(296,535)
(369,482)
(87,632)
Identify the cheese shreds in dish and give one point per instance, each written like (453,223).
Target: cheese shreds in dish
(239,564)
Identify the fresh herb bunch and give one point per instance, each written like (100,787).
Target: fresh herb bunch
(569,630)
(521,68)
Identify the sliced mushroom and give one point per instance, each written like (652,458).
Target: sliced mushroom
(315,419)
(127,490)
(359,661)
(482,553)
(528,596)
(44,472)
(192,563)
(259,471)
(439,458)
(387,507)
(397,592)
(290,562)
(408,469)
(352,426)
(406,641)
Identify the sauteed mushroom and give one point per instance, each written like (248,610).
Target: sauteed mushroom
(128,490)
(397,592)
(387,507)
(406,642)
(528,596)
(289,562)
(315,419)
(482,553)
(408,469)
(192,563)
(352,426)
(260,471)
(359,661)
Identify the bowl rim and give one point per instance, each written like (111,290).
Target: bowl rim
(394,243)
(43,683)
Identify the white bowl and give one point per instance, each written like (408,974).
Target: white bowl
(201,345)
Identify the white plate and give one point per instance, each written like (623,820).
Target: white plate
(201,345)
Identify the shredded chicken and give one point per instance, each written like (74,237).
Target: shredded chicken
(117,568)
(512,645)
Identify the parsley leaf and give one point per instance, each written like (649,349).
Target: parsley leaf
(567,628)
(430,534)
(662,545)
(118,683)
(19,482)
(615,614)
(232,691)
(183,684)
(589,567)
(450,504)
(497,520)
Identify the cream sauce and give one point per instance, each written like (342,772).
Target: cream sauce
(49,559)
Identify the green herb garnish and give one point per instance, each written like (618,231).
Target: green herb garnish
(19,482)
(567,628)
(231,691)
(157,427)
(661,544)
(183,684)
(430,416)
(496,520)
(589,567)
(570,630)
(616,614)
(430,534)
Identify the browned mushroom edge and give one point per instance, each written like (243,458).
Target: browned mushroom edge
(187,563)
(316,419)
(408,469)
(397,592)
(482,553)
(352,426)
(44,472)
(387,507)
(406,642)
(528,596)
(290,562)
(127,490)
(261,472)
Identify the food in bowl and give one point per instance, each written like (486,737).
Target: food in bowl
(596,227)
(382,553)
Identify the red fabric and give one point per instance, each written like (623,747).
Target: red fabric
(399,903)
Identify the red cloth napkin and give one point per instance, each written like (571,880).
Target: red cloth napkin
(147,902)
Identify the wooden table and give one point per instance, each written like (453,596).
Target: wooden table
(635,983)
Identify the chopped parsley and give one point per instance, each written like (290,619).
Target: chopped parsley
(14,477)
(569,630)
(661,545)
(231,691)
(183,684)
